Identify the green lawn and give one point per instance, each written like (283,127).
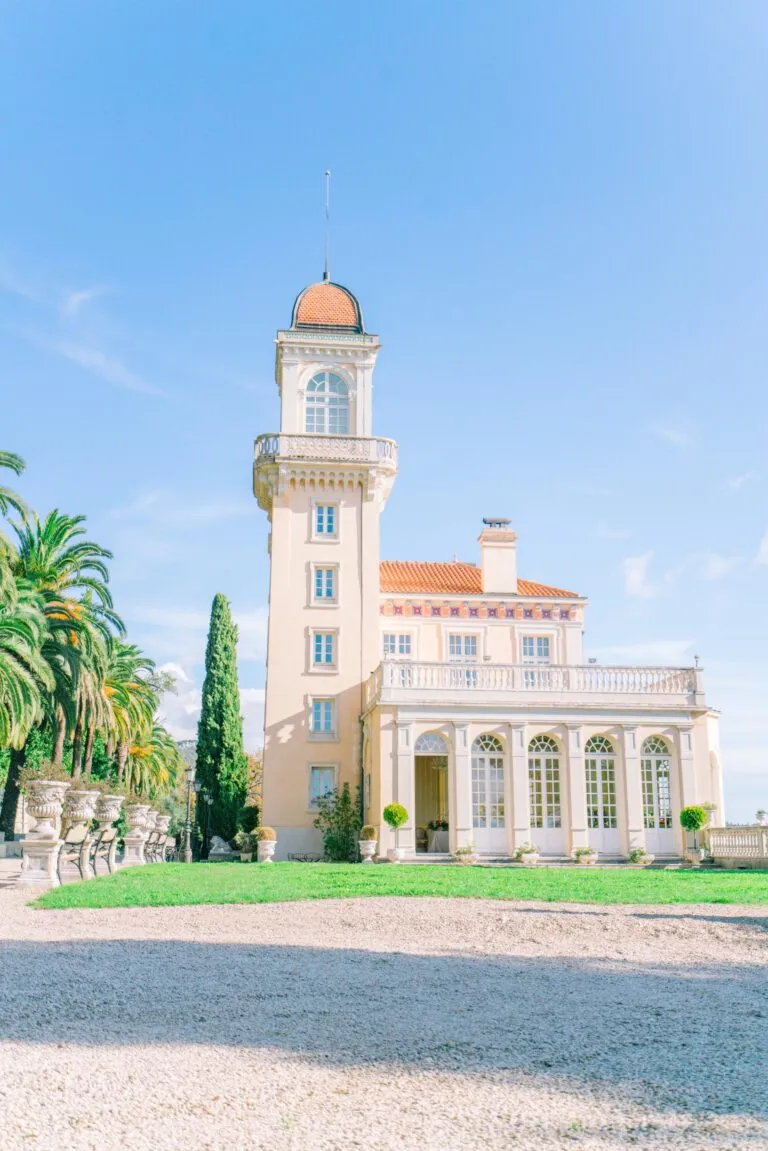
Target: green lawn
(163,885)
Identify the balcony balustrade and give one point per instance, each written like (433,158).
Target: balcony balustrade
(465,682)
(279,446)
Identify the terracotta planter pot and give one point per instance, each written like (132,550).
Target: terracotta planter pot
(45,799)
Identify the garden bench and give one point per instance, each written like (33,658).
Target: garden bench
(154,847)
(74,849)
(304,858)
(103,845)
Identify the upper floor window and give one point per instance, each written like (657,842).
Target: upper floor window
(324,648)
(397,644)
(325,521)
(323,717)
(462,647)
(535,649)
(325,584)
(327,405)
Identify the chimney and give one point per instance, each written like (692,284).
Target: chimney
(498,551)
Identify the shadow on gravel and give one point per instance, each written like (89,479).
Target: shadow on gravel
(693,1038)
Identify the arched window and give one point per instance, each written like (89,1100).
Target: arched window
(600,778)
(327,406)
(431,744)
(544,782)
(656,768)
(487,782)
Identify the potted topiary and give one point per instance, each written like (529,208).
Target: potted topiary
(693,818)
(527,854)
(395,816)
(585,856)
(367,842)
(639,857)
(466,854)
(266,838)
(245,842)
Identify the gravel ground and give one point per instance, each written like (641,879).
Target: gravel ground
(383,1024)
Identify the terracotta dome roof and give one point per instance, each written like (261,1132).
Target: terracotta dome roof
(327,305)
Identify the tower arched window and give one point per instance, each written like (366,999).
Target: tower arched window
(327,405)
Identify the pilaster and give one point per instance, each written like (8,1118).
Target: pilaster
(405,787)
(461,830)
(687,781)
(633,824)
(578,834)
(517,788)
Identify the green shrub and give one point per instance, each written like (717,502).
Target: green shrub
(267,834)
(368,831)
(693,818)
(526,849)
(246,841)
(248,817)
(339,822)
(637,855)
(395,815)
(581,851)
(44,769)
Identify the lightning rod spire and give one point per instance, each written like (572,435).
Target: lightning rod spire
(326,273)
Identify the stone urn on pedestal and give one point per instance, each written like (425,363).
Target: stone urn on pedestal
(367,843)
(162,823)
(107,811)
(79,809)
(267,840)
(136,814)
(40,847)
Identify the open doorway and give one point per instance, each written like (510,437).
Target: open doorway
(431,779)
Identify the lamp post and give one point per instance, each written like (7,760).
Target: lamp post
(189,779)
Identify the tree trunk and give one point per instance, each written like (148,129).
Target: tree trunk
(122,759)
(110,748)
(61,735)
(11,794)
(88,764)
(77,750)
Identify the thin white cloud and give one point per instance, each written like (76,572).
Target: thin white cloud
(672,435)
(108,368)
(166,508)
(178,634)
(652,653)
(604,532)
(74,301)
(715,566)
(180,712)
(636,581)
(15,284)
(762,552)
(738,481)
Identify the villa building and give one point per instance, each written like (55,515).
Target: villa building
(460,691)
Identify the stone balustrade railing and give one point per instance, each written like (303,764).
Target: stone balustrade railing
(738,843)
(403,680)
(336,449)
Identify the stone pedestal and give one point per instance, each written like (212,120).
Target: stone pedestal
(134,849)
(39,862)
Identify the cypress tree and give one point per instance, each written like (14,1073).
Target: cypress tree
(221,763)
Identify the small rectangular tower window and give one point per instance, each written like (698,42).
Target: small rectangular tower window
(397,645)
(322,781)
(325,521)
(324,649)
(323,717)
(324,584)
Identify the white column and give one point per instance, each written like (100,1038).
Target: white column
(517,797)
(405,786)
(460,820)
(577,791)
(687,781)
(632,824)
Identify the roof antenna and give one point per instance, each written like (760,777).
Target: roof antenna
(326,274)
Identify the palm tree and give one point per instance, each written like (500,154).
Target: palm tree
(24,672)
(131,690)
(8,498)
(155,765)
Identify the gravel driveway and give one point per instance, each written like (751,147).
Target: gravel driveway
(383,1024)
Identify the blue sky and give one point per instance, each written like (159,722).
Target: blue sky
(554,215)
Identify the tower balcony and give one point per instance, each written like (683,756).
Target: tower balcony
(530,686)
(281,457)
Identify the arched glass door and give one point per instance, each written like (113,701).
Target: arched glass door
(602,808)
(488,816)
(545,795)
(656,773)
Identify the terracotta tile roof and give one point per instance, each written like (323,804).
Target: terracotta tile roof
(327,305)
(452,579)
